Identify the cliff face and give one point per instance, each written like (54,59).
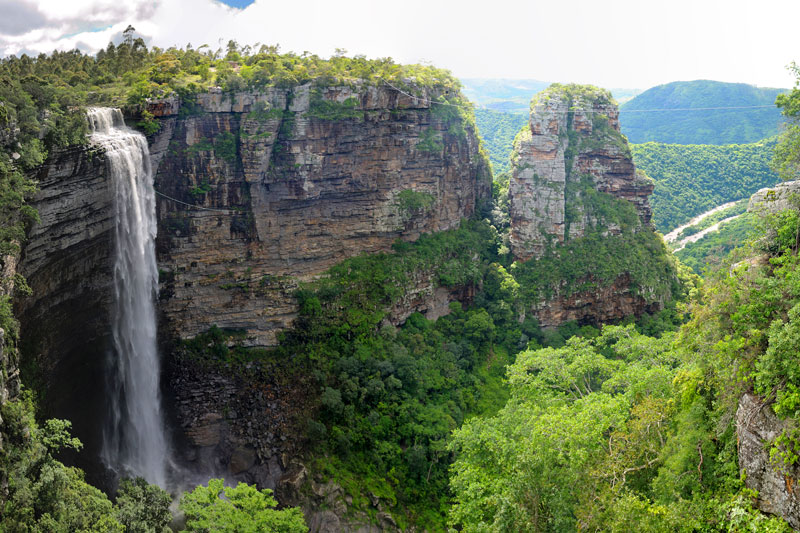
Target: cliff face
(257,191)
(290,182)
(67,261)
(778,490)
(573,134)
(571,168)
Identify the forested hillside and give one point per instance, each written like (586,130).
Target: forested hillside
(691,179)
(710,251)
(626,432)
(498,130)
(507,96)
(684,121)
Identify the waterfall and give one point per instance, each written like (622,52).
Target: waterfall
(134,441)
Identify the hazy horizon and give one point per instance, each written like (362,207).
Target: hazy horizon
(614,44)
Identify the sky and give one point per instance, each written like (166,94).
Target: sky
(610,43)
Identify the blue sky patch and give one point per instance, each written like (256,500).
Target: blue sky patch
(238,4)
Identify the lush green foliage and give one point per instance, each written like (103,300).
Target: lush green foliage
(498,131)
(691,179)
(596,261)
(709,252)
(143,508)
(698,126)
(331,110)
(127,74)
(43,495)
(625,431)
(414,203)
(787,153)
(239,509)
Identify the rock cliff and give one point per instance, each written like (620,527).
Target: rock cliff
(775,199)
(67,262)
(257,192)
(778,492)
(289,182)
(574,179)
(573,135)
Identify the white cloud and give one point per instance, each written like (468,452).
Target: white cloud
(612,43)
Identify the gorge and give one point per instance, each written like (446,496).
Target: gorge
(299,275)
(259,193)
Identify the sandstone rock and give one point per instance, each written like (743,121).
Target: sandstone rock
(775,199)
(67,260)
(324,522)
(573,145)
(163,107)
(571,135)
(242,459)
(289,485)
(778,491)
(297,195)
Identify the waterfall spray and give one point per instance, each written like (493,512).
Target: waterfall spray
(134,441)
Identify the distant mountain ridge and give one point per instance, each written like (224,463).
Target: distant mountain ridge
(514,95)
(697,125)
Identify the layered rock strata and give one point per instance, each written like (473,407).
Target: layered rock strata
(573,135)
(261,190)
(67,262)
(571,151)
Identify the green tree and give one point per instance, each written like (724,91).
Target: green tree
(241,509)
(143,508)
(787,153)
(43,494)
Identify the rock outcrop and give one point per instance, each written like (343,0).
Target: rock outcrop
(67,261)
(778,491)
(775,199)
(261,190)
(573,176)
(573,135)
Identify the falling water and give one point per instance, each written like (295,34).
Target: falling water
(134,441)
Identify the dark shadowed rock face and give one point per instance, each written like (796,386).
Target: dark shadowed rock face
(289,192)
(67,261)
(778,491)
